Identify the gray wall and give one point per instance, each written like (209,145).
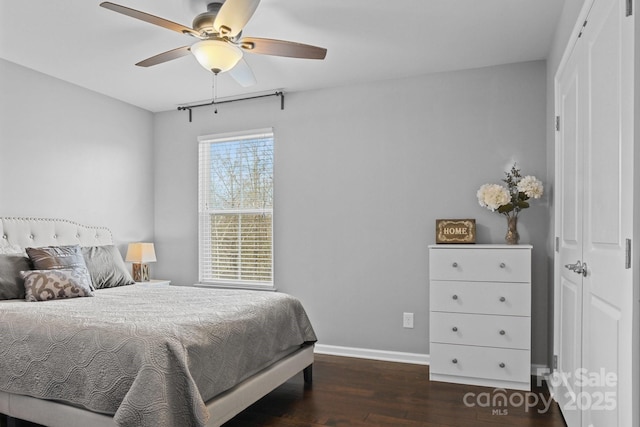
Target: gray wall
(362,173)
(66,152)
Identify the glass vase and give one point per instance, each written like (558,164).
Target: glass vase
(512,236)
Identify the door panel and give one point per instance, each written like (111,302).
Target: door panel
(599,398)
(569,354)
(608,290)
(571,166)
(603,141)
(569,172)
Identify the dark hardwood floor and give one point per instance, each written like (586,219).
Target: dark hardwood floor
(359,392)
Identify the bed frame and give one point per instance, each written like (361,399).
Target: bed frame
(34,232)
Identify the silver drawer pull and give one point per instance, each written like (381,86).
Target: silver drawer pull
(502,299)
(454,329)
(502,332)
(502,365)
(503,265)
(454,361)
(454,265)
(455,297)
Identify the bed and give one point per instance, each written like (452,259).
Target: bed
(140,355)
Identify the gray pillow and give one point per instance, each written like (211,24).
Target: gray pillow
(43,285)
(11,284)
(106,266)
(55,257)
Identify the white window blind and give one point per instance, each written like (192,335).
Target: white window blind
(236,208)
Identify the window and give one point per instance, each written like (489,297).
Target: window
(236,209)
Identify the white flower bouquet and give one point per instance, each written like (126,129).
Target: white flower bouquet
(509,200)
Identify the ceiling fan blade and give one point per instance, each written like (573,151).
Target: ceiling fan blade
(165,56)
(242,74)
(234,15)
(282,48)
(152,19)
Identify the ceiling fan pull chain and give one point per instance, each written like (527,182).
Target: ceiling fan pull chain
(215,92)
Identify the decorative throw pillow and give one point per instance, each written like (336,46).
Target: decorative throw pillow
(54,257)
(106,266)
(42,285)
(11,284)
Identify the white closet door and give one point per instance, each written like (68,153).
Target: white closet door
(608,207)
(594,312)
(572,96)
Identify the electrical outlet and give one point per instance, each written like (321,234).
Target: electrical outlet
(407,320)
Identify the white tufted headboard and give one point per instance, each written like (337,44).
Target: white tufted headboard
(36,232)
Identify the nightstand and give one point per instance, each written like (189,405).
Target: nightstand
(154,283)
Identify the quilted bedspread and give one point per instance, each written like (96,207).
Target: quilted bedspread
(148,356)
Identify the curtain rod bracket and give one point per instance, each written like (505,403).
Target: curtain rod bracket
(281,94)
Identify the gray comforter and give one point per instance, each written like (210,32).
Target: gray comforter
(149,356)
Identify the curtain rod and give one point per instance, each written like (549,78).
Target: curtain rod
(214,102)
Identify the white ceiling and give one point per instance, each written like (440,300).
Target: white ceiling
(367,40)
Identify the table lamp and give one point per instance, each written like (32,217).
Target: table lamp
(140,254)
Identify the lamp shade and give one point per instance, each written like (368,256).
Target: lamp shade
(217,56)
(141,252)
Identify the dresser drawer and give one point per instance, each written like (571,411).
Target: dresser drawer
(512,299)
(480,362)
(481,330)
(487,265)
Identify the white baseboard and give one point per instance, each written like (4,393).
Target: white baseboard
(397,356)
(365,353)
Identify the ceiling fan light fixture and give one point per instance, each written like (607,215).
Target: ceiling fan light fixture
(216,55)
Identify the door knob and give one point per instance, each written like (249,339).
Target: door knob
(578,268)
(572,267)
(583,270)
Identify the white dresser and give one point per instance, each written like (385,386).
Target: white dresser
(480,315)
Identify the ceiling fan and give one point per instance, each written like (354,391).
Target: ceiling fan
(221,46)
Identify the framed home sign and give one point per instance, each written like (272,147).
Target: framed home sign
(455,230)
